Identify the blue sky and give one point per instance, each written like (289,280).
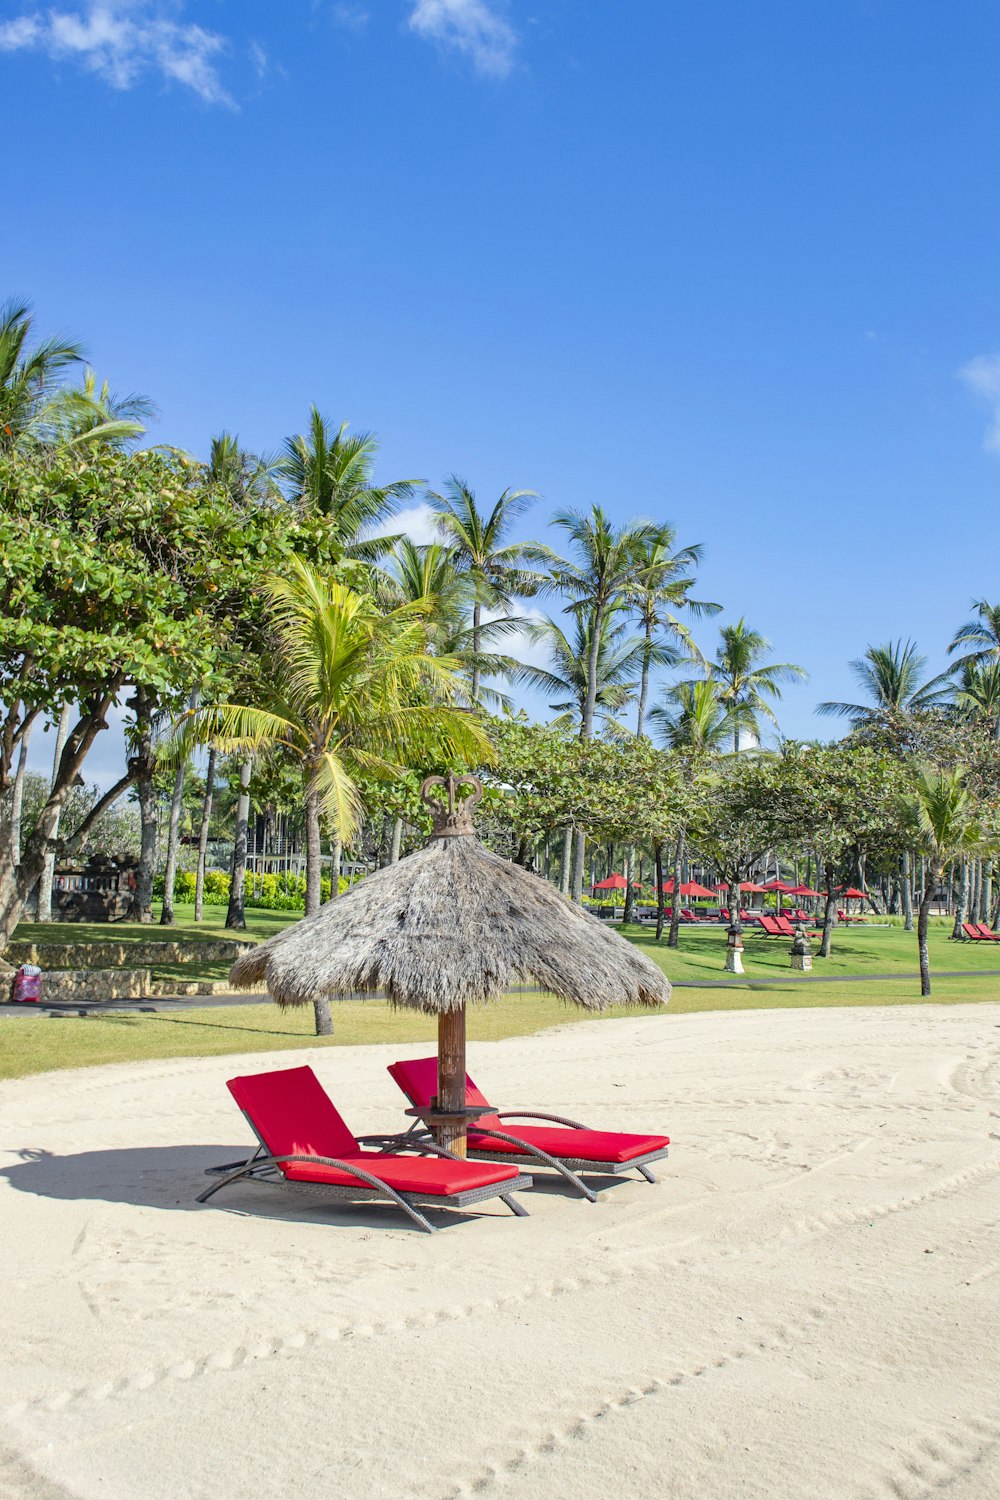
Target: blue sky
(729,265)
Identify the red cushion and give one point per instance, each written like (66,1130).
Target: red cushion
(291,1112)
(585,1145)
(407,1174)
(419,1081)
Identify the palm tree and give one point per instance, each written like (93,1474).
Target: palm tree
(600,580)
(352,692)
(248,478)
(662,585)
(618,664)
(432,574)
(29,376)
(982,633)
(692,718)
(92,414)
(496,566)
(329,474)
(892,677)
(947,828)
(977,693)
(745,681)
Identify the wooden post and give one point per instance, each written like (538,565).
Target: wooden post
(451,1079)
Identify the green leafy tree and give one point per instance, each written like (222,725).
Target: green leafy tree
(982,634)
(117,570)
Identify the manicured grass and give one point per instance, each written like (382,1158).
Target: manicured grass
(260,925)
(855,950)
(40,1043)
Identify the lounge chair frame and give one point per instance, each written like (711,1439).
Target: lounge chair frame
(261,1166)
(534,1156)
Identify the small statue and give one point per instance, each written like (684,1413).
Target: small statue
(801,949)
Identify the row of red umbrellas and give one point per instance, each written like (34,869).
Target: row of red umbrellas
(693,890)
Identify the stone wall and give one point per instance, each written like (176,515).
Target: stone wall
(94,984)
(106,954)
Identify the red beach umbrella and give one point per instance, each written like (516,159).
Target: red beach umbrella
(613,883)
(691,889)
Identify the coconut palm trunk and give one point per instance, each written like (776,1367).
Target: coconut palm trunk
(923,921)
(141,905)
(336,862)
(397,841)
(566,860)
(659,890)
(906,882)
(173,835)
(629,914)
(962,904)
(203,831)
(236,916)
(314,852)
(477,636)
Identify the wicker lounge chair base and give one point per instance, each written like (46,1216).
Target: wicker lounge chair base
(415,1078)
(313,1173)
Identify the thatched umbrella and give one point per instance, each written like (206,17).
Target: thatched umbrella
(449,926)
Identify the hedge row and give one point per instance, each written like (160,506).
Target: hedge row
(273,892)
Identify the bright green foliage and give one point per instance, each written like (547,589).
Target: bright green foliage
(351,691)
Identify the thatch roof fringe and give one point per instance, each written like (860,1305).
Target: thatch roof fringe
(449,926)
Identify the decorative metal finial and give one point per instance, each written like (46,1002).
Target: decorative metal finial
(453,817)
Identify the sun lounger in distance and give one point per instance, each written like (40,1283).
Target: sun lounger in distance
(978,932)
(568,1149)
(304,1141)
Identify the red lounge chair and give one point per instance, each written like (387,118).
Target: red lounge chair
(975,934)
(771,927)
(569,1149)
(304,1141)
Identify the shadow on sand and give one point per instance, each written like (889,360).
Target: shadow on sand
(171,1177)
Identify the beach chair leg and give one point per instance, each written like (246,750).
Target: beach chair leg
(649,1176)
(513,1205)
(545,1158)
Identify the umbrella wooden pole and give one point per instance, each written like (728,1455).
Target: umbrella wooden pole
(451,1079)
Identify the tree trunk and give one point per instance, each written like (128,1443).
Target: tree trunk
(987,897)
(477,615)
(579,859)
(141,905)
(44,909)
(173,834)
(590,703)
(567,850)
(18,881)
(644,681)
(629,915)
(829,915)
(907,887)
(962,905)
(203,830)
(236,915)
(17,797)
(930,884)
(314,854)
(659,889)
(397,841)
(336,860)
(673,941)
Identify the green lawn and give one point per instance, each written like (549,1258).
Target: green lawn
(260,925)
(39,1043)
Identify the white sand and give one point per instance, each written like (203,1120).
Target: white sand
(806,1305)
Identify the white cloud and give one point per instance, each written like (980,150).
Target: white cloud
(473,27)
(120,40)
(418,522)
(982,376)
